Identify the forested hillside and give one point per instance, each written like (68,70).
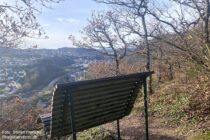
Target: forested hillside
(43,72)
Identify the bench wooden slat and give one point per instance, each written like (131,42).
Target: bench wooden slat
(99,88)
(45,120)
(101,81)
(94,111)
(87,95)
(87,118)
(96,122)
(84,110)
(108,101)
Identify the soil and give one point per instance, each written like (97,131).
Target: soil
(132,127)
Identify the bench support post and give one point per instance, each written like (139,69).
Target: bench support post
(145,108)
(118,129)
(72,116)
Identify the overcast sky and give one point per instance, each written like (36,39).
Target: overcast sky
(65,18)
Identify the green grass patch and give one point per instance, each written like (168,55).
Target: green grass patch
(45,93)
(155,85)
(2,91)
(193,71)
(205,136)
(169,106)
(96,134)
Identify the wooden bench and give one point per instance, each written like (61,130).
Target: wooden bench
(84,104)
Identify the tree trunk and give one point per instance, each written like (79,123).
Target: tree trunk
(171,77)
(117,67)
(206,30)
(206,23)
(148,53)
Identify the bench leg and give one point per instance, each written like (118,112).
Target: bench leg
(145,109)
(72,116)
(118,129)
(45,135)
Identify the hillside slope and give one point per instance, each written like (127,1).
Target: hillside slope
(41,74)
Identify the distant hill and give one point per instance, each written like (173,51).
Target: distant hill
(69,50)
(8,51)
(78,51)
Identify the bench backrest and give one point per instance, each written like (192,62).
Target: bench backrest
(93,102)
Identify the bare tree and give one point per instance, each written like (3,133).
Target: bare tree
(202,8)
(178,27)
(105,35)
(137,9)
(18,20)
(102,69)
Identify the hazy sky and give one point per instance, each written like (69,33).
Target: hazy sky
(65,18)
(68,17)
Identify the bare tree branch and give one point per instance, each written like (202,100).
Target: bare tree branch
(105,35)
(18,20)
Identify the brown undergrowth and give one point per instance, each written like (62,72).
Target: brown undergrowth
(183,106)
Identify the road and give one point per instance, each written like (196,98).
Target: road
(52,83)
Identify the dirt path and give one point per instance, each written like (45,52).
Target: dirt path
(132,127)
